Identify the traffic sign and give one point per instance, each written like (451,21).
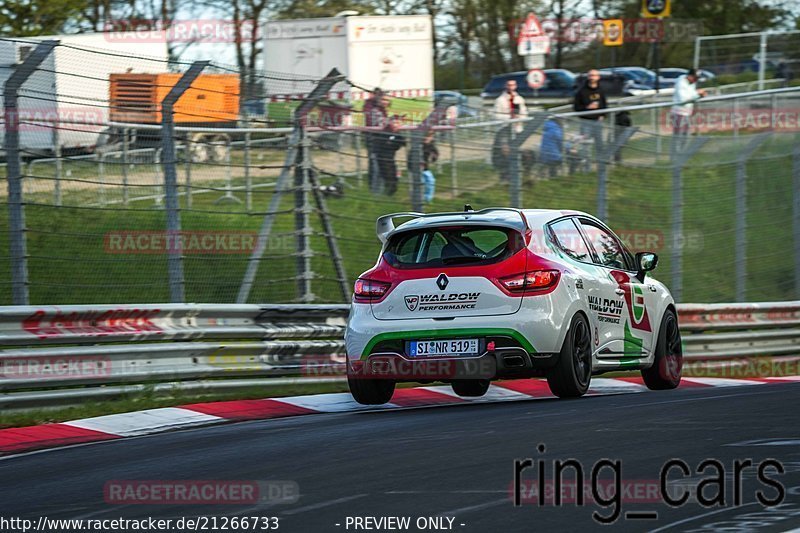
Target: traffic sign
(612,32)
(534,61)
(656,8)
(532,39)
(536,78)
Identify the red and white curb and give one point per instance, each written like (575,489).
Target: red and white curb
(108,427)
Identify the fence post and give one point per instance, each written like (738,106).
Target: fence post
(358,156)
(602,170)
(187,163)
(453,171)
(514,170)
(248,179)
(302,222)
(796,217)
(125,166)
(16,210)
(740,259)
(59,166)
(290,164)
(762,59)
(414,170)
(169,162)
(679,160)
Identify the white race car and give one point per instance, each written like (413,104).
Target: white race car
(472,296)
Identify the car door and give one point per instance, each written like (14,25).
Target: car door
(626,303)
(589,278)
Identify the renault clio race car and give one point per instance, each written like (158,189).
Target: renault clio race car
(468,297)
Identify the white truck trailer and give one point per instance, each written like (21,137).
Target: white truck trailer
(394,53)
(71,86)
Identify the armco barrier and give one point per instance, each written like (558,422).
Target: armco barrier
(69,354)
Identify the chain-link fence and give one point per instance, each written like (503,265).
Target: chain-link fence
(148,181)
(757,55)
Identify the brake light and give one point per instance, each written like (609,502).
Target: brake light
(535,280)
(368,289)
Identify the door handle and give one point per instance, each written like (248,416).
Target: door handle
(619,291)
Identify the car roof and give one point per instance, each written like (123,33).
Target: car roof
(492,216)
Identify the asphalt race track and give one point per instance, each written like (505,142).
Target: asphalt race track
(454,462)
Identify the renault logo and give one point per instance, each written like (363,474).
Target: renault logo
(442,281)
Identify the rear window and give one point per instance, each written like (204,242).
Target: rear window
(452,246)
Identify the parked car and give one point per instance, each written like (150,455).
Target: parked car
(464,109)
(636,78)
(559,83)
(673,73)
(471,296)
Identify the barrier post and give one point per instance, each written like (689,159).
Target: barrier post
(740,247)
(169,163)
(16,210)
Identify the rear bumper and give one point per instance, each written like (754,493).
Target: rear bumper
(507,362)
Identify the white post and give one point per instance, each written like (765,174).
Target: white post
(697,41)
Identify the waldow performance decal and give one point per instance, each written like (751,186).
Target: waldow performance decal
(442,302)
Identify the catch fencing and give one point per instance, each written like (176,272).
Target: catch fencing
(65,355)
(231,206)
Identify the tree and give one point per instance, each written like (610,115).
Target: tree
(23,18)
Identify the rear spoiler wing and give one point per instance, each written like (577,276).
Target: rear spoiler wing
(385,224)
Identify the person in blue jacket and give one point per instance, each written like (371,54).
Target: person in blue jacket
(551,151)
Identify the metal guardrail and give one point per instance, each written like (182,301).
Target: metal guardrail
(86,352)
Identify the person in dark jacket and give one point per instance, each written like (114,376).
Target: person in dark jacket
(386,145)
(591,96)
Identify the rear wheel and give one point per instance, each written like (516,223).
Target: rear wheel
(371,391)
(570,377)
(470,387)
(668,364)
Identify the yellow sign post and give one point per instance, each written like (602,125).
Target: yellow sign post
(612,32)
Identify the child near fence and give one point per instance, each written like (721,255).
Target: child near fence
(430,154)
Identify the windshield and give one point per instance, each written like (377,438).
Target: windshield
(449,246)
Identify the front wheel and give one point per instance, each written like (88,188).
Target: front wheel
(668,364)
(371,391)
(470,387)
(570,377)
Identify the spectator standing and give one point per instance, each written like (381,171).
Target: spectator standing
(686,93)
(590,97)
(430,155)
(386,144)
(375,117)
(510,105)
(551,150)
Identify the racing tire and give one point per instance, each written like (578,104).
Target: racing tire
(665,373)
(371,391)
(570,376)
(470,387)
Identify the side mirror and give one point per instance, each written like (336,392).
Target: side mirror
(645,262)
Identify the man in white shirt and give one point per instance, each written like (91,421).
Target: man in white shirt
(510,104)
(686,93)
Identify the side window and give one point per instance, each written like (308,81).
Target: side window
(606,246)
(570,240)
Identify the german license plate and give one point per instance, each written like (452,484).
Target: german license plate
(443,347)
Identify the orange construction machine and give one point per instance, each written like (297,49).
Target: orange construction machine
(211,101)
